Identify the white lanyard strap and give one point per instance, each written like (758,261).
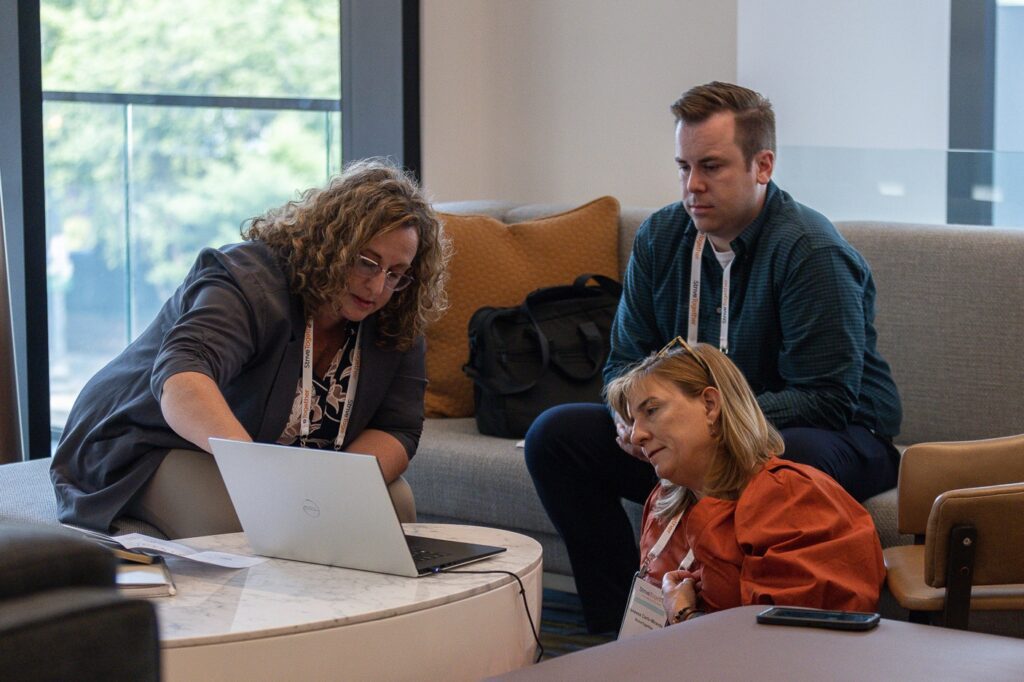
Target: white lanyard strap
(307,385)
(723,330)
(307,379)
(655,551)
(687,563)
(693,320)
(350,394)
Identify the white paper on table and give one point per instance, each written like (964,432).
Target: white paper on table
(140,541)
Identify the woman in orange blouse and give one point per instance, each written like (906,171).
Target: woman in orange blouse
(762,530)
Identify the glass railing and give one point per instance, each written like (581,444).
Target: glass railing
(919,186)
(136,185)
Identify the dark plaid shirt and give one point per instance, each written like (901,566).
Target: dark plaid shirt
(802,308)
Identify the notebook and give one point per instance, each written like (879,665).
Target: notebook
(328,507)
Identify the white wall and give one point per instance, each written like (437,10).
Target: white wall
(861,94)
(563,100)
(566,100)
(872,74)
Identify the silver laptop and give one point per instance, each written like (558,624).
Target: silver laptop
(328,507)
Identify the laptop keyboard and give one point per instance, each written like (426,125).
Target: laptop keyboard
(422,555)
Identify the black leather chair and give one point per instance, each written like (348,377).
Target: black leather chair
(61,616)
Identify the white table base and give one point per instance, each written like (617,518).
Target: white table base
(474,625)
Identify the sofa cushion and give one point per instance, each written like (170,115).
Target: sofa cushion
(949,322)
(26,494)
(461,476)
(497,265)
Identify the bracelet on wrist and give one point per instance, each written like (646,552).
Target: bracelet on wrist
(686,614)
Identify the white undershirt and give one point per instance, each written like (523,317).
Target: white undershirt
(724,257)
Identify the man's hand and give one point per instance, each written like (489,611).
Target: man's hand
(624,435)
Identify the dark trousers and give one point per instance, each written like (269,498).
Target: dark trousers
(581,475)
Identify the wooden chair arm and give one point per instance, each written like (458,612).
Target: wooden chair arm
(997,515)
(929,469)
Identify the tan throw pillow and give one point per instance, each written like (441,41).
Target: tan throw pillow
(497,265)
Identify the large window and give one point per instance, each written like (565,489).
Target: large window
(165,126)
(137,131)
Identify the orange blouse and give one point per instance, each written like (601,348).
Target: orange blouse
(794,537)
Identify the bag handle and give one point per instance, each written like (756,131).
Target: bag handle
(591,335)
(595,352)
(502,387)
(589,330)
(607,283)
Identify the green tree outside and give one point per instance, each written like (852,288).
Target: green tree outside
(133,192)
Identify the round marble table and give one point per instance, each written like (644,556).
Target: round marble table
(292,620)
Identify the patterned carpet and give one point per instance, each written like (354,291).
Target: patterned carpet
(561,629)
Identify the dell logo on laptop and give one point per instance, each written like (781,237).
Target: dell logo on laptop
(311,508)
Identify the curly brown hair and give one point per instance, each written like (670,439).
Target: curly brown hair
(319,235)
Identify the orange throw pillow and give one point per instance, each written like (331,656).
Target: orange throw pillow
(497,265)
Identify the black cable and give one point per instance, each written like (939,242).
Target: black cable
(522,593)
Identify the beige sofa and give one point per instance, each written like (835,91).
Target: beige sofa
(950,323)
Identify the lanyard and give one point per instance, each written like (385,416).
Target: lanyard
(656,550)
(694,317)
(307,385)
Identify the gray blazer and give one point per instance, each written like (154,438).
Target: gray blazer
(234,320)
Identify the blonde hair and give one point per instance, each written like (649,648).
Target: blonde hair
(319,235)
(745,439)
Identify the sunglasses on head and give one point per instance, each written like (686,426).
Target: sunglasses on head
(681,343)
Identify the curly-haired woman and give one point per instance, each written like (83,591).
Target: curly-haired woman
(348,276)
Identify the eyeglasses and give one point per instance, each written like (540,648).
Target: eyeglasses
(369,268)
(681,342)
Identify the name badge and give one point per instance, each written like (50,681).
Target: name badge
(644,611)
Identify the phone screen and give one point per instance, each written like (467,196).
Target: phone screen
(838,616)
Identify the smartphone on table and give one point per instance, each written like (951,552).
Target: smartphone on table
(818,618)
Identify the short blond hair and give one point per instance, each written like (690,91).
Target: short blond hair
(745,438)
(318,236)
